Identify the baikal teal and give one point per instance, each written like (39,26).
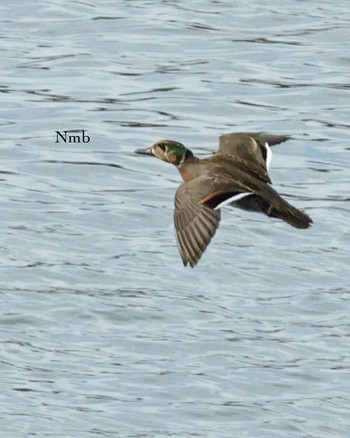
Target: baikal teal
(236,175)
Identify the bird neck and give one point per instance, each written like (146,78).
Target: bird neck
(188,167)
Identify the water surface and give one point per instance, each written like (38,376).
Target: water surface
(103,331)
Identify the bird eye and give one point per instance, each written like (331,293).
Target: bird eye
(162,146)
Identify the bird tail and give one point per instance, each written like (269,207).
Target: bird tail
(281,209)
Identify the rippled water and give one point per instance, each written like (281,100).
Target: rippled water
(103,331)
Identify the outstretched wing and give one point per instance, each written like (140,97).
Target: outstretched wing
(195,222)
(250,151)
(197,209)
(234,138)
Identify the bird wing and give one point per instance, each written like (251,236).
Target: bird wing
(250,151)
(234,138)
(195,222)
(197,208)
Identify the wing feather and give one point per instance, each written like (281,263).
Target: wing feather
(195,223)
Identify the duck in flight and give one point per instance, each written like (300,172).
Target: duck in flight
(237,174)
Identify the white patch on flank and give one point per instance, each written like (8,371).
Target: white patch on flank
(232,199)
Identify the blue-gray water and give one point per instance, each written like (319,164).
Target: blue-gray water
(103,332)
